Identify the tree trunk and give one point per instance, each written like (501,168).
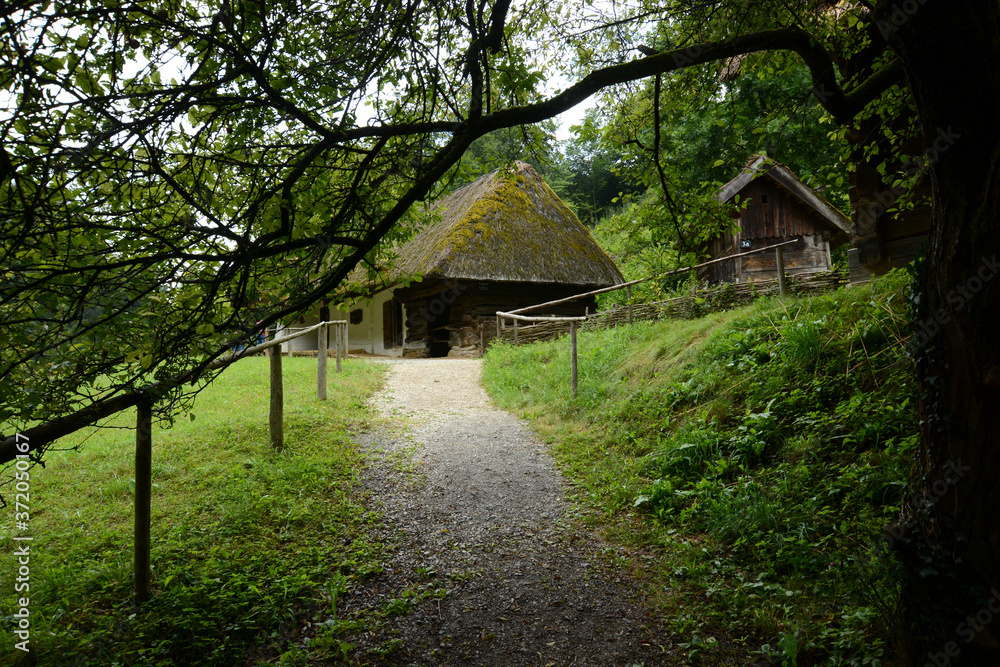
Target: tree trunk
(143,492)
(949,536)
(276,415)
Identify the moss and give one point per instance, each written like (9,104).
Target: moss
(515,229)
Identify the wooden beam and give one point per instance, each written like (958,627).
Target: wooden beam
(538,318)
(780,256)
(143,501)
(276,417)
(572,363)
(321,362)
(640,280)
(339,340)
(48,432)
(628,296)
(250,351)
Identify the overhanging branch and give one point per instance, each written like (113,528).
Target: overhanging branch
(825,86)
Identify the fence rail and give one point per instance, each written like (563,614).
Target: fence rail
(683,307)
(143,440)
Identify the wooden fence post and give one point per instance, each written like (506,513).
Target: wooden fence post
(515,332)
(628,295)
(572,348)
(321,337)
(143,492)
(780,256)
(342,346)
(277,416)
(336,344)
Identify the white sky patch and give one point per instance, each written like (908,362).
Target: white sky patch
(572,117)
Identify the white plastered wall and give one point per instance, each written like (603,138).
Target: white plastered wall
(364,337)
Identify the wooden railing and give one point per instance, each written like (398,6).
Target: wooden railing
(682,307)
(571,322)
(144,437)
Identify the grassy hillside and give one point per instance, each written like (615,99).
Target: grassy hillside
(746,464)
(246,541)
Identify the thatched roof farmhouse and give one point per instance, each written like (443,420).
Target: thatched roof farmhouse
(503,242)
(508,228)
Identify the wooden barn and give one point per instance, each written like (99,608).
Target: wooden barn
(503,242)
(778,207)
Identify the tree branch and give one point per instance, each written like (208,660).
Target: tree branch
(825,86)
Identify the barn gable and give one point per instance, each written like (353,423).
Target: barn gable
(809,212)
(775,207)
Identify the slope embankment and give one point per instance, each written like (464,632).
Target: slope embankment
(750,462)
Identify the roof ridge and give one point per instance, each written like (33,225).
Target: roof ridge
(506,228)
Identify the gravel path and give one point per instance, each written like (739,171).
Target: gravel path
(475,507)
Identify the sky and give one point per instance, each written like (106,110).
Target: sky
(572,117)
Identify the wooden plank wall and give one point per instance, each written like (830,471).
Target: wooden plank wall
(808,256)
(782,217)
(811,255)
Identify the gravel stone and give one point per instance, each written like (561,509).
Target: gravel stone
(475,506)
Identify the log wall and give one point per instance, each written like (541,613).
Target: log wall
(810,255)
(458,318)
(781,216)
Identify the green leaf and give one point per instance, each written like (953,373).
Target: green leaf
(87,83)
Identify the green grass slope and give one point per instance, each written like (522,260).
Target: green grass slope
(746,465)
(248,544)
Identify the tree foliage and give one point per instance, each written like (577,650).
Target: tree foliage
(178,176)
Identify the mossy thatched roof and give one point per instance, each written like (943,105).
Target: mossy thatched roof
(507,227)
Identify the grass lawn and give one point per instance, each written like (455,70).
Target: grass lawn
(247,543)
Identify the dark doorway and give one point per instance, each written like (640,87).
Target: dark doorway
(392,324)
(438,319)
